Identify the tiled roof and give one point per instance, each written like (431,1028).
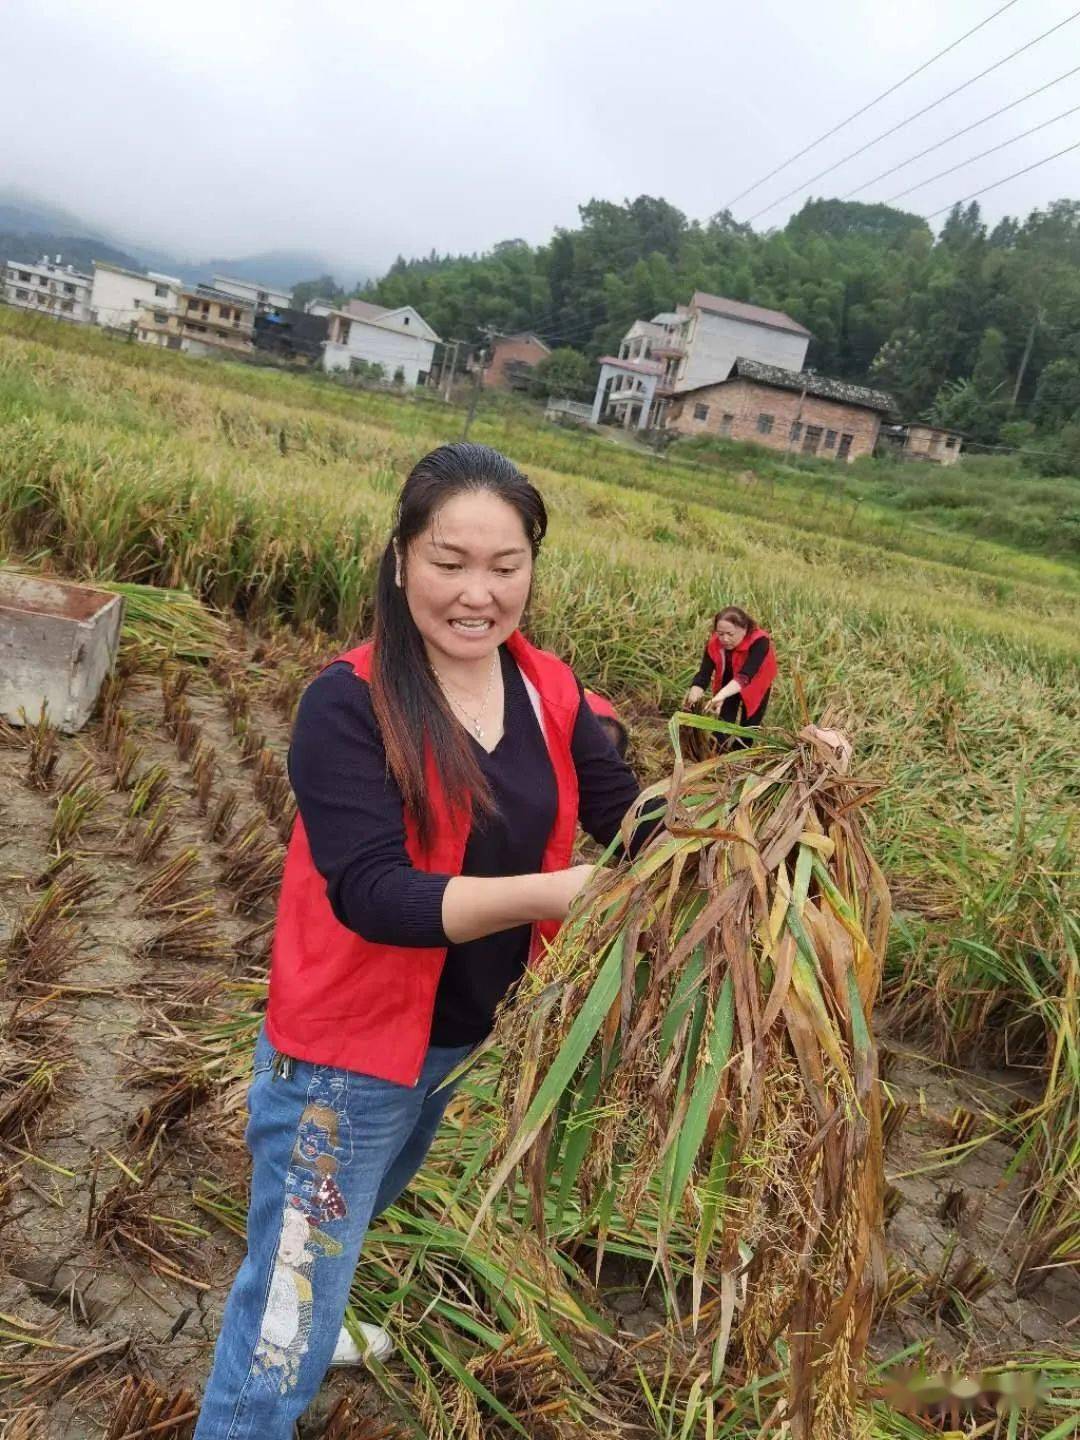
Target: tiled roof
(365,310)
(822,386)
(525,335)
(752,314)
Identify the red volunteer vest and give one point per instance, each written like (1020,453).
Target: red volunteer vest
(601,707)
(755,690)
(337,999)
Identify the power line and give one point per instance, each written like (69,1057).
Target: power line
(869,105)
(911,118)
(958,133)
(982,155)
(1005,179)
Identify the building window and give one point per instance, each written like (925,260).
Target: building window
(22,294)
(41,280)
(950,443)
(811,440)
(206,307)
(24,275)
(830,439)
(67,305)
(844,447)
(160,317)
(701,412)
(726,422)
(765,424)
(796,429)
(69,289)
(405,318)
(160,291)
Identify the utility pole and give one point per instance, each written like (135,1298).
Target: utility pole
(453,366)
(478,383)
(474,398)
(796,421)
(1036,320)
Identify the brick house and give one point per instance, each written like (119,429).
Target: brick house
(791,410)
(931,442)
(694,345)
(512,359)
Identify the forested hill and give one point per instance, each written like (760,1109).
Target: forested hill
(949,324)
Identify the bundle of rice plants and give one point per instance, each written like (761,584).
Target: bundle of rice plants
(188,932)
(171,881)
(78,802)
(220,818)
(251,864)
(696,1047)
(42,751)
(143,1408)
(163,624)
(127,1221)
(203,766)
(149,836)
(44,939)
(148,788)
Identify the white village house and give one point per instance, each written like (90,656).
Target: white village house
(400,340)
(262,297)
(118,297)
(48,287)
(695,345)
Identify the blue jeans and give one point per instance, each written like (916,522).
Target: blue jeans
(331,1148)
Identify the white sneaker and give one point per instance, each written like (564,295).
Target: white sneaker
(348,1352)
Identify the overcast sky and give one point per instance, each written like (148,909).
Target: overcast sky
(365,128)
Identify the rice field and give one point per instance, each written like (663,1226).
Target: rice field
(141,865)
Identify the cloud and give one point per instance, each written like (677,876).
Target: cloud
(363,130)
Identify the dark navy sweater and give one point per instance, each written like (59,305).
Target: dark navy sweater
(354,818)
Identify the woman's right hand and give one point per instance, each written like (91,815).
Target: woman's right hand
(693,696)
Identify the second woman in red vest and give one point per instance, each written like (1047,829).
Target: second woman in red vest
(440,773)
(738,667)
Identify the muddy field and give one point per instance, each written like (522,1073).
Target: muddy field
(137,887)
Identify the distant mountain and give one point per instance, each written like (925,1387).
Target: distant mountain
(76,250)
(30,227)
(282,268)
(24,214)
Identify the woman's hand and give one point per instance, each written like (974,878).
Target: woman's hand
(715,704)
(693,696)
(474,906)
(567,885)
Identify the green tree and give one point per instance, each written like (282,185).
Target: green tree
(1057,395)
(563,373)
(887,301)
(324,287)
(990,375)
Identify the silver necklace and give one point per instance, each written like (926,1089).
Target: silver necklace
(474,720)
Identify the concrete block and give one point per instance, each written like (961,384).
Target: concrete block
(58,642)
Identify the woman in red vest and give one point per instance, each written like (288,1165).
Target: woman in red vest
(440,773)
(738,666)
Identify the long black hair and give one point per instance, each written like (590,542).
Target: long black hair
(409,703)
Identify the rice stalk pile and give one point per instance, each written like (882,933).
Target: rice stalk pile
(696,1048)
